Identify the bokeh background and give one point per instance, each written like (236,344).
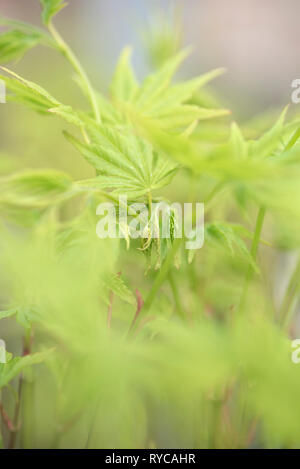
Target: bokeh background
(256,40)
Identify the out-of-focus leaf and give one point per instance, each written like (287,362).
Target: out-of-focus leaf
(115,284)
(229,237)
(37,98)
(124,84)
(156,100)
(24,316)
(35,188)
(238,143)
(51,8)
(162,37)
(8,371)
(15,43)
(30,29)
(7,314)
(270,140)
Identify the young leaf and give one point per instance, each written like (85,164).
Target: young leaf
(35,188)
(162,38)
(156,100)
(27,28)
(24,316)
(8,313)
(238,144)
(124,84)
(29,93)
(115,284)
(37,98)
(51,8)
(8,371)
(124,162)
(270,140)
(14,44)
(229,237)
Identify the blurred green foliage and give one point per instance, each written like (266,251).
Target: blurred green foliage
(197,352)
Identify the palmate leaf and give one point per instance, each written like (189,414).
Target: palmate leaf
(113,283)
(235,160)
(51,8)
(156,100)
(11,369)
(229,236)
(24,316)
(273,151)
(124,162)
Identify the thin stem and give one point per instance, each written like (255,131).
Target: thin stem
(162,275)
(290,296)
(110,306)
(292,289)
(68,53)
(254,248)
(140,303)
(257,232)
(85,135)
(293,140)
(216,422)
(216,189)
(28,413)
(16,419)
(109,312)
(150,204)
(93,424)
(1,417)
(166,267)
(209,202)
(179,308)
